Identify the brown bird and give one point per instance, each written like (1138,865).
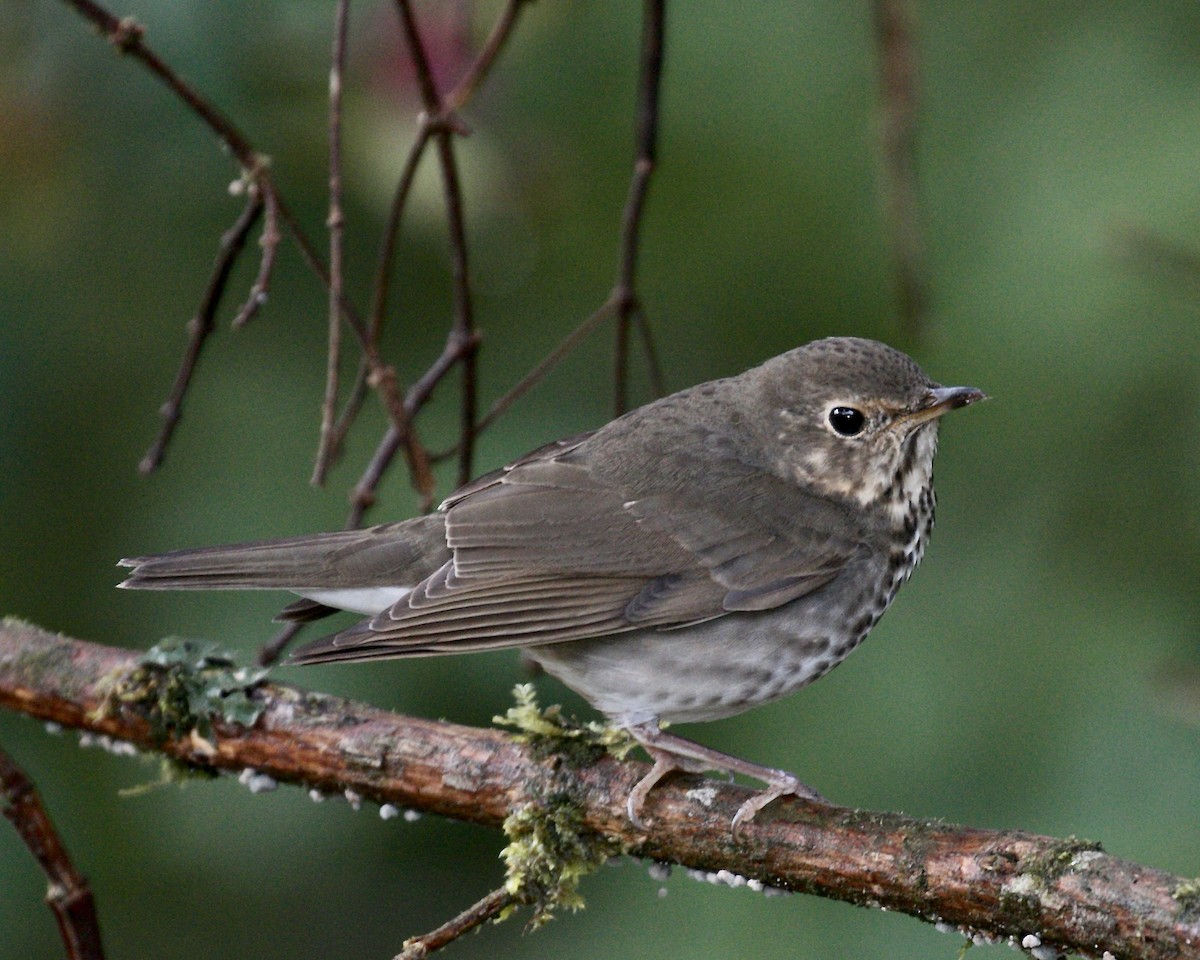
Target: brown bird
(708,552)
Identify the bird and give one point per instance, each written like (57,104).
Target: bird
(711,551)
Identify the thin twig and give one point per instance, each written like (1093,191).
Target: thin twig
(490,907)
(547,363)
(898,137)
(363,497)
(481,67)
(69,896)
(1005,884)
(336,223)
(462,339)
(128,37)
(270,652)
(622,302)
(269,244)
(624,293)
(364,492)
(202,323)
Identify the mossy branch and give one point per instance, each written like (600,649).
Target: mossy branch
(1052,895)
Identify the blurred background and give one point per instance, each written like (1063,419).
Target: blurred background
(1040,672)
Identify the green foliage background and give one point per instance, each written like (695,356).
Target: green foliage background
(1041,670)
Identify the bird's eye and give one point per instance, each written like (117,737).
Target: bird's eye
(846,421)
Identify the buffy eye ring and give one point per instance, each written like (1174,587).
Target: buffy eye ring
(847,421)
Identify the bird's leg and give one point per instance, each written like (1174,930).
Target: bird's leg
(671,753)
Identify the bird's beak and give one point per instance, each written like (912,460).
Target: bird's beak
(942,400)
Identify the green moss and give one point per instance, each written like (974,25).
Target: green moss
(550,733)
(181,686)
(549,851)
(1058,859)
(1187,895)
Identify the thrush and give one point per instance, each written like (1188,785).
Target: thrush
(711,551)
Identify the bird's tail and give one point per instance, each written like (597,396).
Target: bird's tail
(386,555)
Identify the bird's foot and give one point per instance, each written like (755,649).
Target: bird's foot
(671,753)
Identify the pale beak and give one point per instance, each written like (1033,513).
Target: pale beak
(941,400)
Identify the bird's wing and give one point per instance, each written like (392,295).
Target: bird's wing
(546,551)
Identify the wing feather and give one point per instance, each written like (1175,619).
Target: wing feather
(559,546)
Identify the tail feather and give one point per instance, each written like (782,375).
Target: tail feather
(385,555)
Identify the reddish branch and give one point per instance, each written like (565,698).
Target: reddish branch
(69,896)
(1070,894)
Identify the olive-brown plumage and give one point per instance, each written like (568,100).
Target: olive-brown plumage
(708,552)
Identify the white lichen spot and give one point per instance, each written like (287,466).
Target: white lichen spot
(1044,953)
(1108,956)
(702,795)
(1031,940)
(1085,857)
(353,797)
(388,811)
(53,728)
(662,892)
(257,782)
(1021,885)
(118,748)
(659,871)
(728,878)
(943,927)
(316,796)
(412,816)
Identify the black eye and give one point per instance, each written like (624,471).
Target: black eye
(846,421)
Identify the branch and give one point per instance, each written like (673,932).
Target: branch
(462,339)
(336,222)
(1007,885)
(624,298)
(69,896)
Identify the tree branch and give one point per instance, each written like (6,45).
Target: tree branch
(69,896)
(1008,885)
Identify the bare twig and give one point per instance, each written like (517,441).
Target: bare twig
(1004,884)
(363,496)
(462,340)
(546,364)
(200,326)
(622,302)
(489,908)
(364,492)
(481,67)
(269,244)
(336,223)
(898,133)
(68,895)
(624,295)
(128,37)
